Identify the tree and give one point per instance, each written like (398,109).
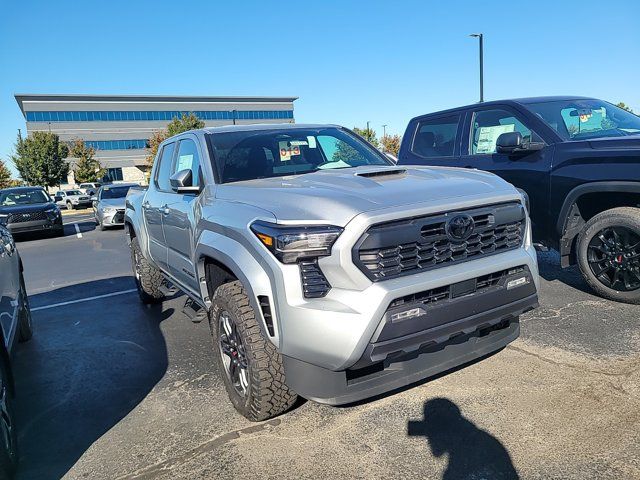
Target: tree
(624,106)
(391,144)
(87,168)
(40,159)
(368,134)
(5,176)
(178,125)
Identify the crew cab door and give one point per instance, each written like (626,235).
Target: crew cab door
(9,286)
(530,171)
(155,205)
(433,140)
(180,220)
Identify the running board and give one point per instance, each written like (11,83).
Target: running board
(195,312)
(167,289)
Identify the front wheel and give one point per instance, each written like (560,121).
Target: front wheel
(147,277)
(8,434)
(249,364)
(69,206)
(608,253)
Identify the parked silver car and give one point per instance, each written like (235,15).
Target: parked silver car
(15,324)
(108,204)
(72,199)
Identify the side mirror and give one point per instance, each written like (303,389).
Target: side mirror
(57,198)
(509,142)
(182,182)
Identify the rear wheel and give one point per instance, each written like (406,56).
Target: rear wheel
(148,278)
(25,328)
(8,434)
(249,364)
(608,251)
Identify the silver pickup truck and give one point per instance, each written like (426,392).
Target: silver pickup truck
(323,269)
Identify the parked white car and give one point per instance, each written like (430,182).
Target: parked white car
(90,188)
(72,199)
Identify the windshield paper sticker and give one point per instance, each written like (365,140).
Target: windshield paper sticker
(488,136)
(288,149)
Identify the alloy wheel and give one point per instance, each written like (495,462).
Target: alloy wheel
(614,258)
(6,424)
(233,354)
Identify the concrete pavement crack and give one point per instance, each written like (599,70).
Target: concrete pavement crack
(153,471)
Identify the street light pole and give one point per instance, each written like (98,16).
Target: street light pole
(384,130)
(480,37)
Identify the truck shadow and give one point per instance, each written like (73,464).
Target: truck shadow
(550,270)
(87,367)
(471,451)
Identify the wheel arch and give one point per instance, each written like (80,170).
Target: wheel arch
(586,201)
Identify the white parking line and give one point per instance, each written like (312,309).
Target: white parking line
(78,234)
(80,300)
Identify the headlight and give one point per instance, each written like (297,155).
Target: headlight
(291,243)
(4,219)
(53,211)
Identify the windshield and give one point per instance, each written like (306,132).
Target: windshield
(24,197)
(590,118)
(74,192)
(114,192)
(248,155)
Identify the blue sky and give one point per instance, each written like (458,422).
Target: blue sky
(349,62)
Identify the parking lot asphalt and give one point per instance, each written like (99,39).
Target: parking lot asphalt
(109,388)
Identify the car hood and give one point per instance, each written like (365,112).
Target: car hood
(113,202)
(336,196)
(34,207)
(631,142)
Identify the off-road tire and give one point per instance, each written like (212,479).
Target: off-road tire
(627,217)
(25,329)
(267,393)
(147,277)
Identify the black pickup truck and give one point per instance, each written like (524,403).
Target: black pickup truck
(578,160)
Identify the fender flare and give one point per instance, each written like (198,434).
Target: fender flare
(247,269)
(592,187)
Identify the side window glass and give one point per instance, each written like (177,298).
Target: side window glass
(188,159)
(163,171)
(488,125)
(436,137)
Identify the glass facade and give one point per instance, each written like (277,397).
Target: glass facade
(116,144)
(96,116)
(113,174)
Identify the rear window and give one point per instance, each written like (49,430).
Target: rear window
(436,137)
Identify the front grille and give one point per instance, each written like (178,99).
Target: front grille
(314,283)
(408,246)
(26,217)
(435,295)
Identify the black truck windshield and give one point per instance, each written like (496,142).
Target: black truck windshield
(587,118)
(252,154)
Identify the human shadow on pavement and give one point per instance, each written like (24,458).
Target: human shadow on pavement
(472,453)
(88,365)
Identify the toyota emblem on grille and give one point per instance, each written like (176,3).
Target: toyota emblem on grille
(26,215)
(460,227)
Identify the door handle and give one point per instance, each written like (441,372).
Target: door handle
(146,205)
(164,209)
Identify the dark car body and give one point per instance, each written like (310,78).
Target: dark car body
(567,180)
(15,325)
(21,214)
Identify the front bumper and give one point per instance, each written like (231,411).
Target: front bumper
(113,218)
(35,226)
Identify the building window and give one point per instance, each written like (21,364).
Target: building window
(91,116)
(117,144)
(113,174)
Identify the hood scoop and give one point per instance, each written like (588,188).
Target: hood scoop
(382,173)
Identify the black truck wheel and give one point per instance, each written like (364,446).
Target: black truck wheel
(148,278)
(608,253)
(25,329)
(249,364)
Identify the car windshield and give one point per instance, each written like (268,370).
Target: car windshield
(74,192)
(252,154)
(23,197)
(587,118)
(114,192)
